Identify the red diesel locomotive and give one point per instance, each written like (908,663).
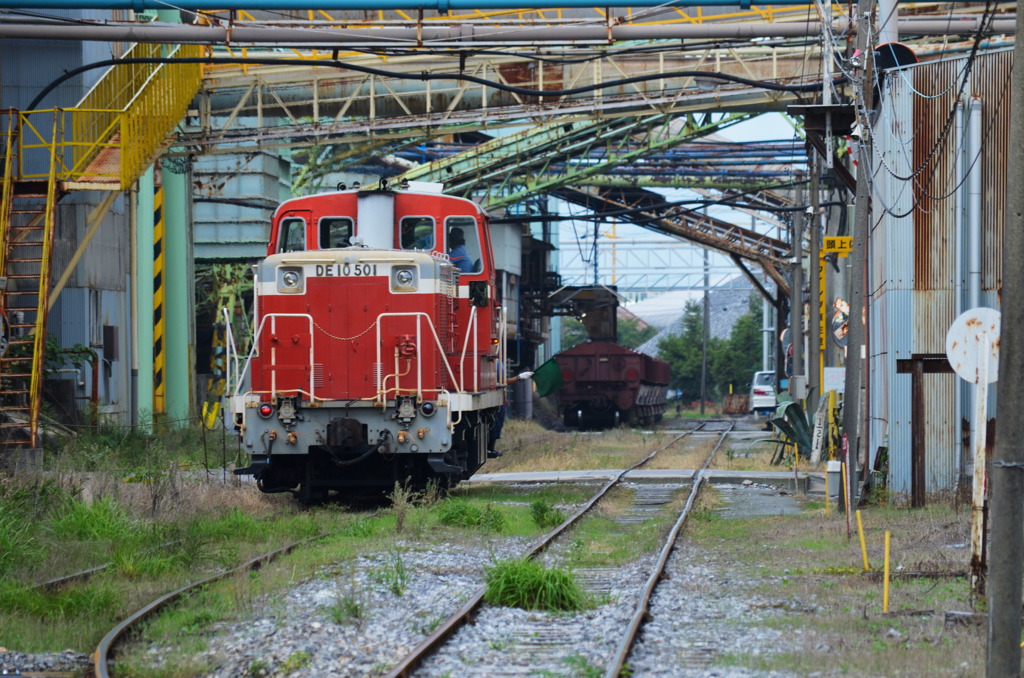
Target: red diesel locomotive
(376,347)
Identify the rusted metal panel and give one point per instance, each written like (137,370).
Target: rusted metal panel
(935,146)
(914,287)
(736,403)
(933,313)
(990,81)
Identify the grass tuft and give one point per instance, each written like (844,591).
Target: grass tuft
(461,513)
(546,516)
(529,585)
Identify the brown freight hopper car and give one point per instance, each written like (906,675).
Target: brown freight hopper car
(605,384)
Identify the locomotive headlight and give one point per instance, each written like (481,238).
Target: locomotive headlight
(289,280)
(403,279)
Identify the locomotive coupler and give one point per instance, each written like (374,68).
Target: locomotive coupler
(405,409)
(286,411)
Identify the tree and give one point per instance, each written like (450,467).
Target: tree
(632,332)
(734,361)
(682,351)
(730,361)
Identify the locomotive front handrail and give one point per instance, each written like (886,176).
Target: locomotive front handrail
(419,365)
(465,348)
(273,375)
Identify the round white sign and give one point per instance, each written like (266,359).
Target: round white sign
(974,331)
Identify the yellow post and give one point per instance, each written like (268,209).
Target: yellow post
(885,578)
(828,497)
(863,546)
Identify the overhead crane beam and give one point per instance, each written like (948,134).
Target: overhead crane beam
(318,105)
(730,239)
(508,170)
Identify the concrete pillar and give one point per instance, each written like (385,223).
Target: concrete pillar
(144,298)
(179,281)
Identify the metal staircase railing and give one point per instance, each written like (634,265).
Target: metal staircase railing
(27,219)
(117,130)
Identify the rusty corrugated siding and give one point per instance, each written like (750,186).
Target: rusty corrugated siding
(935,146)
(990,80)
(913,246)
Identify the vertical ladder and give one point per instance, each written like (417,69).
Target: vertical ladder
(27,215)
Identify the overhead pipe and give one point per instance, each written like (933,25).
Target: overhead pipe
(973,244)
(974,203)
(155,32)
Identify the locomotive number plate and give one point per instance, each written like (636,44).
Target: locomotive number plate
(344,270)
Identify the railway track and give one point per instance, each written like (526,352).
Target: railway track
(539,641)
(529,642)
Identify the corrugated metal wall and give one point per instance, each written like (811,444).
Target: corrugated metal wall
(914,245)
(255,185)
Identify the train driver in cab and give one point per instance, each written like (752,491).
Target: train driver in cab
(457,251)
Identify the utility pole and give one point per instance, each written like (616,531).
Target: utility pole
(797,383)
(707,333)
(1006,479)
(815,336)
(856,348)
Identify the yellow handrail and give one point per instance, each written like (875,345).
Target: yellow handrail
(117,129)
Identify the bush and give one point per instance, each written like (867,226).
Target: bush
(104,519)
(531,586)
(460,513)
(545,515)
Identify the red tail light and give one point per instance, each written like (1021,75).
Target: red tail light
(762,392)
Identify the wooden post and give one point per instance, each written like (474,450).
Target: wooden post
(917,366)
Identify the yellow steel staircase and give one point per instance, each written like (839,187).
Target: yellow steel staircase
(117,131)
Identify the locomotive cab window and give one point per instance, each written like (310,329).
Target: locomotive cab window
(292,237)
(335,232)
(416,233)
(464,244)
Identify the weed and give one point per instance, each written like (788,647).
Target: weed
(582,667)
(493,519)
(75,602)
(103,519)
(433,493)
(428,624)
(402,499)
(460,513)
(531,586)
(349,605)
(545,516)
(18,544)
(361,528)
(393,574)
(499,644)
(259,667)
(296,661)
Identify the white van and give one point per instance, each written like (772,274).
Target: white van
(762,393)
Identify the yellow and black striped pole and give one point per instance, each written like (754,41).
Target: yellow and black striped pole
(159,298)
